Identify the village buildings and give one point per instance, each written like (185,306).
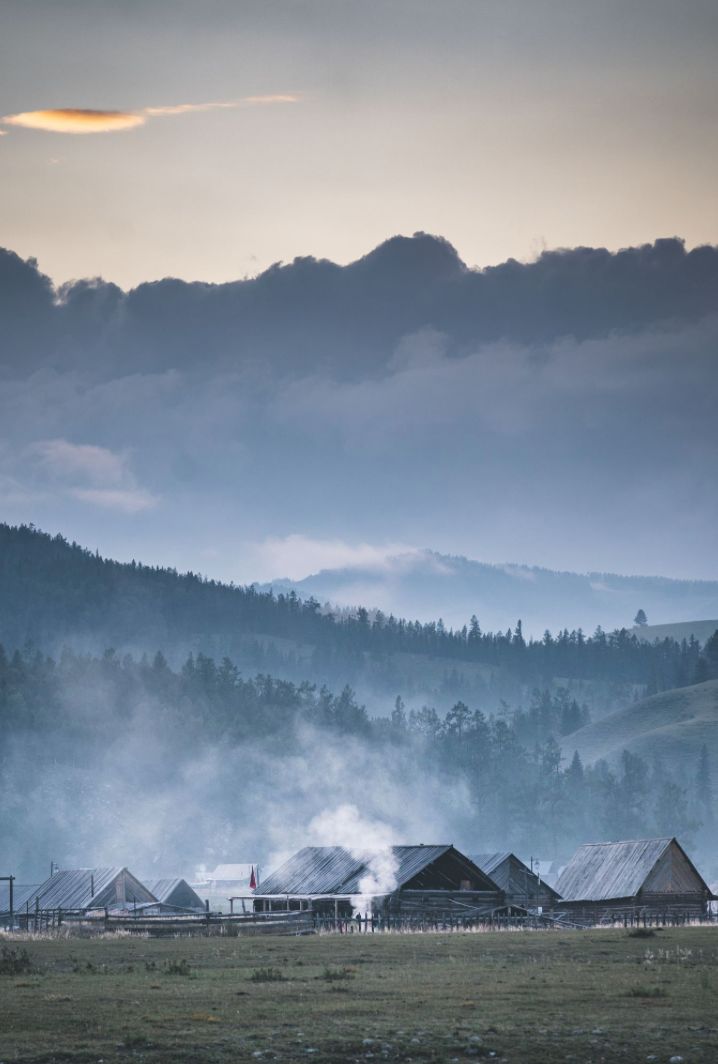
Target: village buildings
(395,886)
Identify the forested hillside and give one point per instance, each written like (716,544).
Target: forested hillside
(121,719)
(56,594)
(201,765)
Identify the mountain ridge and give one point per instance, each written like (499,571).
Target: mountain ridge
(55,595)
(510,591)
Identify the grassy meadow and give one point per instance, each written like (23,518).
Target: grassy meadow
(523,997)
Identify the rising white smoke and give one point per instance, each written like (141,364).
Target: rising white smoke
(367,840)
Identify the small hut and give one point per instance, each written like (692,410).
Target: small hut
(398,881)
(175,895)
(522,887)
(647,876)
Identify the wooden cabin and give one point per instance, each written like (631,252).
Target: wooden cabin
(399,881)
(83,889)
(647,876)
(522,887)
(174,895)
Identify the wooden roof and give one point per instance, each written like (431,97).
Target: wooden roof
(607,870)
(87,888)
(322,870)
(176,892)
(511,873)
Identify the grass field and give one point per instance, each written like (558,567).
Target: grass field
(526,997)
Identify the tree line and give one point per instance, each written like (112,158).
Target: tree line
(523,791)
(55,592)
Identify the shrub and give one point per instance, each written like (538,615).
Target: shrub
(646,992)
(178,967)
(267,975)
(333,975)
(15,961)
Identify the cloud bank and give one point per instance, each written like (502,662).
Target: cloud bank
(559,412)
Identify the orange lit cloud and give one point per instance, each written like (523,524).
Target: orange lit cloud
(75,120)
(83,120)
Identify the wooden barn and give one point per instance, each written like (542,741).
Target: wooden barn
(523,889)
(175,895)
(400,881)
(644,877)
(81,889)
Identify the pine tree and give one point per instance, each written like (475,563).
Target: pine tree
(710,656)
(704,786)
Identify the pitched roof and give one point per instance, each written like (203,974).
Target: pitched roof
(490,862)
(84,888)
(600,871)
(174,891)
(333,870)
(510,873)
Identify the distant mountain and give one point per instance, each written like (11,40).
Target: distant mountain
(700,630)
(426,585)
(672,726)
(54,594)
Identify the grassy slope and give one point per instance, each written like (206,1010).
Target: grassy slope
(526,997)
(673,724)
(702,630)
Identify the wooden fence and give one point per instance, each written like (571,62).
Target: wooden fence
(285,923)
(305,921)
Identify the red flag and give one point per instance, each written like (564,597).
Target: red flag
(252,880)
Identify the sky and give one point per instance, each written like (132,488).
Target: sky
(489,387)
(506,126)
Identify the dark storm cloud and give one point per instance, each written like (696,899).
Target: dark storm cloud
(26,313)
(560,412)
(312,314)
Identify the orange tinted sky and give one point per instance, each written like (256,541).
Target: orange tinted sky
(505,126)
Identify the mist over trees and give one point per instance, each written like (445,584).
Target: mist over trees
(113,759)
(181,756)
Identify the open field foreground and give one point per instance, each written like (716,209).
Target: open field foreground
(526,997)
